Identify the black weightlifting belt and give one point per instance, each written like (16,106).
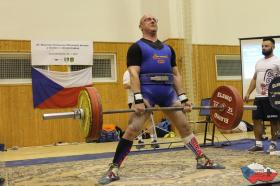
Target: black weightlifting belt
(156,78)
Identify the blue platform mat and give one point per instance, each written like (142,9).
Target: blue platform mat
(242,144)
(245,144)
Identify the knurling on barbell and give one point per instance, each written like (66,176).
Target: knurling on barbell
(226,110)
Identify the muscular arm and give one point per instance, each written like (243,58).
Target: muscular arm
(177,81)
(135,86)
(251,87)
(134,78)
(126,80)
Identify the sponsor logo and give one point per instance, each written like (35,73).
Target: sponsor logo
(160,59)
(224,96)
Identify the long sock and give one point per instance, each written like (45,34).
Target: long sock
(192,144)
(122,151)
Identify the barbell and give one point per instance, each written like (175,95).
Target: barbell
(226,110)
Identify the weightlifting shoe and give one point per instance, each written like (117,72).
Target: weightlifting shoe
(205,163)
(140,145)
(154,144)
(255,149)
(111,175)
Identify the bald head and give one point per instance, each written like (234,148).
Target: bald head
(147,17)
(148,25)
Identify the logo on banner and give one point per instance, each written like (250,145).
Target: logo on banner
(61,53)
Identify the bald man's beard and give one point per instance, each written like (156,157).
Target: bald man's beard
(268,52)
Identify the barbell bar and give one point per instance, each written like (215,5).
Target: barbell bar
(78,113)
(226,110)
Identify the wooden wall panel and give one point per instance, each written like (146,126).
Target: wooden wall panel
(22,125)
(204,60)
(15,46)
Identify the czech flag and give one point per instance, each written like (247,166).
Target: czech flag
(256,172)
(53,89)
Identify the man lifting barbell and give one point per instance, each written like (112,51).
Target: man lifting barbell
(265,70)
(155,80)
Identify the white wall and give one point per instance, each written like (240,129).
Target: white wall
(160,9)
(97,20)
(213,21)
(100,20)
(224,21)
(170,15)
(176,19)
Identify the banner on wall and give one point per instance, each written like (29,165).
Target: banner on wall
(53,89)
(61,52)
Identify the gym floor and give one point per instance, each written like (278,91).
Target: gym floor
(85,163)
(69,149)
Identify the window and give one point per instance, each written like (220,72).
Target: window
(16,68)
(103,68)
(228,67)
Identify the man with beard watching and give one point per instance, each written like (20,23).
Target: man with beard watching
(265,70)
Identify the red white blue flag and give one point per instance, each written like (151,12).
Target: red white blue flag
(258,173)
(53,89)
